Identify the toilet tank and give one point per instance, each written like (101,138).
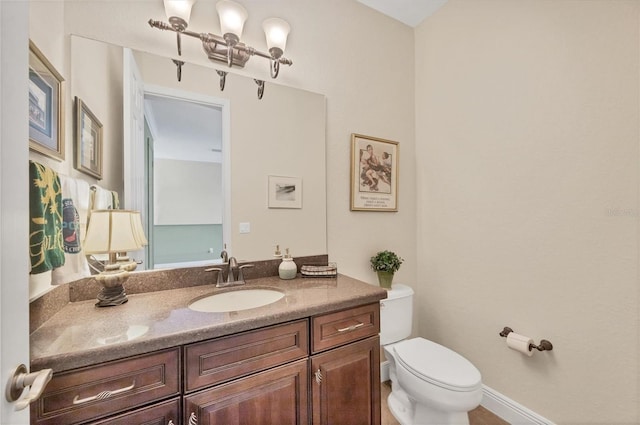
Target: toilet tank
(396,314)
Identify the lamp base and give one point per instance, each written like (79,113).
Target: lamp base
(109,297)
(112,292)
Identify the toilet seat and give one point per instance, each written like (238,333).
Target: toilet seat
(438,365)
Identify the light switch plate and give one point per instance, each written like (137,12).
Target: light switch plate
(245,227)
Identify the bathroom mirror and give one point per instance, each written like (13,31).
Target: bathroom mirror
(280,138)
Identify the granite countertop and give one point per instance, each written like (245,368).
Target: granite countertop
(81,334)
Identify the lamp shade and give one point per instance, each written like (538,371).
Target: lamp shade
(137,224)
(179,9)
(112,231)
(232,17)
(276,31)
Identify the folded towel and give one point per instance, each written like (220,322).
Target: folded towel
(75,207)
(45,214)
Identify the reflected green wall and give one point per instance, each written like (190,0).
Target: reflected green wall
(181,243)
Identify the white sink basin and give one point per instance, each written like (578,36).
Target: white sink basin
(241,299)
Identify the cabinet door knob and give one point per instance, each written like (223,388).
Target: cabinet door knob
(318,375)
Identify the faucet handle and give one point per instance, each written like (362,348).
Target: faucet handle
(240,274)
(216,269)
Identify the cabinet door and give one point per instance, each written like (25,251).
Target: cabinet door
(276,396)
(345,384)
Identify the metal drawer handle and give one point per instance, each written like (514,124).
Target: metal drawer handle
(193,419)
(103,395)
(351,328)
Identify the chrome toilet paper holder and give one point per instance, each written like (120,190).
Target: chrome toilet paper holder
(543,346)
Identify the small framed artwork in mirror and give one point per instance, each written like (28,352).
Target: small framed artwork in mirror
(88,141)
(285,192)
(46,106)
(374,174)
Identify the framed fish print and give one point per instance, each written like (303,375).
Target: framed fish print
(46,106)
(285,192)
(374,174)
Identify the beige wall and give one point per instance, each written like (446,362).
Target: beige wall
(361,60)
(349,56)
(523,171)
(527,147)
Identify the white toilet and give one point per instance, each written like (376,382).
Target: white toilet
(430,384)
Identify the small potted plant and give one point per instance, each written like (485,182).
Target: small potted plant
(385,264)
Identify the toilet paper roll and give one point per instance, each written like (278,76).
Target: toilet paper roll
(519,343)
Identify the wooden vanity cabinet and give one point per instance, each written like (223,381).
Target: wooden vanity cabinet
(319,370)
(255,377)
(345,380)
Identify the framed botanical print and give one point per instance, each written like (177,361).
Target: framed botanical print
(88,141)
(374,174)
(46,106)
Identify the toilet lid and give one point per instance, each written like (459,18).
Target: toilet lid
(438,365)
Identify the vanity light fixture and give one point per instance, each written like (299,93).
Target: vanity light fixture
(228,48)
(114,232)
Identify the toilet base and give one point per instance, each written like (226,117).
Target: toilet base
(408,412)
(399,406)
(426,415)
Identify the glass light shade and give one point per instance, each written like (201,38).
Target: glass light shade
(276,31)
(178,9)
(232,17)
(112,231)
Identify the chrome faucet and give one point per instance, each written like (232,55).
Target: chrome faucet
(233,264)
(224,255)
(232,267)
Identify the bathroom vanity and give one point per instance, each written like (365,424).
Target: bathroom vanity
(310,358)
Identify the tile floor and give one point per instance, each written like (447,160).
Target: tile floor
(478,416)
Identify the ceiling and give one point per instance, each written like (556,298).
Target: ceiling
(184,130)
(409,12)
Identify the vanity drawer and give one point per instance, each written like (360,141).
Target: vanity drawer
(167,413)
(339,328)
(94,392)
(222,359)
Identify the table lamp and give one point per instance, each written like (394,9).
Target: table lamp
(114,232)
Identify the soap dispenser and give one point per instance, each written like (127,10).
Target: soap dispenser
(287,269)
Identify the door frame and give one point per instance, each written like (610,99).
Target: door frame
(14,198)
(225,106)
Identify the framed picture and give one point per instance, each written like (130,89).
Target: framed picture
(374,174)
(88,138)
(46,106)
(285,192)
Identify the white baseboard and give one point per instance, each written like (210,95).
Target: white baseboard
(498,404)
(509,410)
